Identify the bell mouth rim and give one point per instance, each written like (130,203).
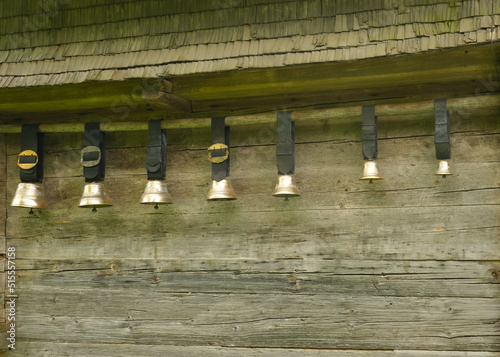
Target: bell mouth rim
(146,202)
(96,205)
(286,195)
(221,198)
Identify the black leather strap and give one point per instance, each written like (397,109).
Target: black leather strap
(220,134)
(369,132)
(442,130)
(285,146)
(31,141)
(156,151)
(93,137)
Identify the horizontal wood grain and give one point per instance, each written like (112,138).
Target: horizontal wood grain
(133,350)
(3,214)
(455,72)
(252,320)
(424,111)
(382,72)
(403,267)
(335,206)
(3,193)
(318,276)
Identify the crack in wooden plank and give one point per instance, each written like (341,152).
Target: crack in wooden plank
(469,190)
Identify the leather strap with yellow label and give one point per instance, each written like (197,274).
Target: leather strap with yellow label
(30,160)
(218,152)
(27,159)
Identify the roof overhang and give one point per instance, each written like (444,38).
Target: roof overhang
(453,73)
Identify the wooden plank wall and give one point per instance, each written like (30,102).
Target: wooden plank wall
(408,266)
(3,215)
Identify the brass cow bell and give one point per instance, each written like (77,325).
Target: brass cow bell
(370,171)
(30,195)
(156,193)
(221,191)
(444,168)
(94,195)
(286,187)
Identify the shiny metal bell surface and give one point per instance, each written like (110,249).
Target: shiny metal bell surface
(156,193)
(30,195)
(221,190)
(94,195)
(444,168)
(370,171)
(286,187)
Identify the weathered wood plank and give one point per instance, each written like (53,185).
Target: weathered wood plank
(407,263)
(341,98)
(242,320)
(3,214)
(244,276)
(3,194)
(3,158)
(287,234)
(481,106)
(409,182)
(46,349)
(392,270)
(349,207)
(341,145)
(434,78)
(254,191)
(337,76)
(112,95)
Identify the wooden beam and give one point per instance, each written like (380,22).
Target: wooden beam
(459,105)
(456,72)
(167,101)
(434,67)
(132,350)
